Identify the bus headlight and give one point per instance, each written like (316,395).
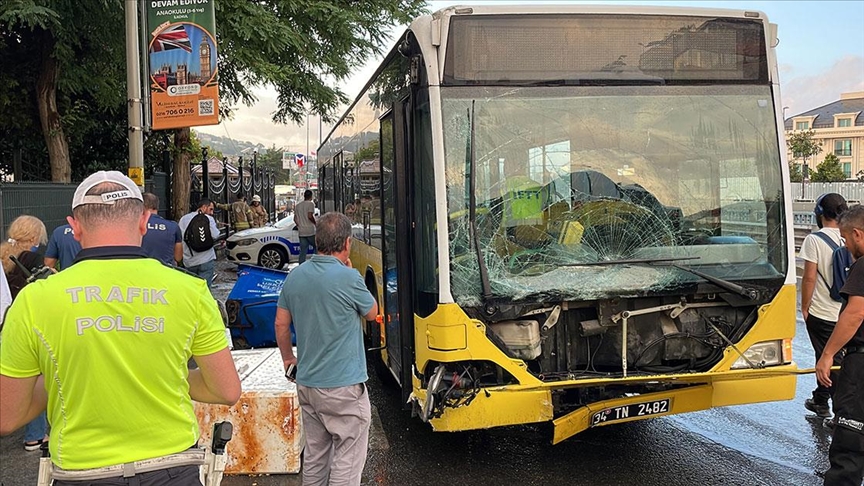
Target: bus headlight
(768,353)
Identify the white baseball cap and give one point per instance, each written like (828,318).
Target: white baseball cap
(256,198)
(129,191)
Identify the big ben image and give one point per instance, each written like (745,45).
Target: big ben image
(204,51)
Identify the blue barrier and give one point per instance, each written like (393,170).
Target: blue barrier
(251,306)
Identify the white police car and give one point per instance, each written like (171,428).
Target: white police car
(270,246)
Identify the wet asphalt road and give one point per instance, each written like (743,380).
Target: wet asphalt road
(776,443)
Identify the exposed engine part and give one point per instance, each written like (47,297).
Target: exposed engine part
(592,327)
(731,344)
(431,391)
(552,319)
(522,337)
(675,311)
(451,385)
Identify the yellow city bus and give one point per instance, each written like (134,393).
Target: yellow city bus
(572,214)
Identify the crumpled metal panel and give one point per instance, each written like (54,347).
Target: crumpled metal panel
(268,437)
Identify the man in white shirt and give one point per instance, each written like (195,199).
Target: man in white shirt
(819,310)
(202,263)
(304,218)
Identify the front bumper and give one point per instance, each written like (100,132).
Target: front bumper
(517,404)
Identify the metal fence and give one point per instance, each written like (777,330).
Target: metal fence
(52,202)
(223,189)
(852,191)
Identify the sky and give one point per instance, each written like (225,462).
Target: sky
(820,56)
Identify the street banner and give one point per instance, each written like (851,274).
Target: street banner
(182,70)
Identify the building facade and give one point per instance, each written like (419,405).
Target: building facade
(838,128)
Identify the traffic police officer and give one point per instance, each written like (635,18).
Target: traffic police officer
(108,353)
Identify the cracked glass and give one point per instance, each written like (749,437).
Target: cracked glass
(584,193)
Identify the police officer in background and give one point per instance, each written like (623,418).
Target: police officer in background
(163,240)
(847,446)
(62,248)
(115,339)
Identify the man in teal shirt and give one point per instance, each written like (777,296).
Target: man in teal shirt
(326,299)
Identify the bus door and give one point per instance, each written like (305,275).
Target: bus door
(396,232)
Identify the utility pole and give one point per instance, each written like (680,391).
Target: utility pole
(133,95)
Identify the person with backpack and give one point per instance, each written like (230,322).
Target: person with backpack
(199,236)
(818,307)
(24,236)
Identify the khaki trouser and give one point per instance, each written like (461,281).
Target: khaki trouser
(336,424)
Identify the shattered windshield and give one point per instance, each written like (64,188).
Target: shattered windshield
(590,192)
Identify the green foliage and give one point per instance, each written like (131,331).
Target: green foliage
(802,145)
(86,39)
(272,158)
(303,48)
(370,151)
(795,174)
(829,170)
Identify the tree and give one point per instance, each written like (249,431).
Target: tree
(802,145)
(272,159)
(795,174)
(303,48)
(68,50)
(63,51)
(829,170)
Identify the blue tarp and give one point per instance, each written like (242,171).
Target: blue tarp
(252,305)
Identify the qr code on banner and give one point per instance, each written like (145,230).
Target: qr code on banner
(205,107)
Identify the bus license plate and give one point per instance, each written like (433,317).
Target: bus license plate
(624,412)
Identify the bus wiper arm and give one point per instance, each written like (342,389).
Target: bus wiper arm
(626,262)
(747,292)
(472,211)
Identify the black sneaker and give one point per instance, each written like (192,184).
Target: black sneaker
(820,409)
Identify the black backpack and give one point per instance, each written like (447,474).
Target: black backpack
(197,235)
(841,262)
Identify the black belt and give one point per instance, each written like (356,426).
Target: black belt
(854,349)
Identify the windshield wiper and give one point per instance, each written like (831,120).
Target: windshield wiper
(747,292)
(625,262)
(472,211)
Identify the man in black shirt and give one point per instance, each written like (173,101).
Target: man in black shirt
(847,446)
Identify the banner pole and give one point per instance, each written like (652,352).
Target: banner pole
(144,52)
(133,94)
